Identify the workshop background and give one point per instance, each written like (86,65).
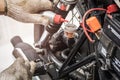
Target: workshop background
(8,29)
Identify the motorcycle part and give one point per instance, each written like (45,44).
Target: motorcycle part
(56,19)
(112,8)
(70,34)
(65,5)
(73,67)
(69,30)
(52,71)
(53,17)
(83,21)
(93,24)
(73,51)
(112,28)
(38,30)
(117,2)
(43,40)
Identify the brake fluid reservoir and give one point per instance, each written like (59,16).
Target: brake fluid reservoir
(70,34)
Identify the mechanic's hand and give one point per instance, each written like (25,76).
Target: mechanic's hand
(25,10)
(19,70)
(55,1)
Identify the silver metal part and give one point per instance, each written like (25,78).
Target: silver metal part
(67,2)
(117,2)
(55,60)
(21,53)
(44,38)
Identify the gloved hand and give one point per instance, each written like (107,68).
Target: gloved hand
(55,1)
(19,70)
(25,10)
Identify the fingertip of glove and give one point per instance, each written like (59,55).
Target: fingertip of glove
(20,60)
(33,64)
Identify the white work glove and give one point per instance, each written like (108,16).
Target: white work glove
(19,70)
(28,10)
(55,1)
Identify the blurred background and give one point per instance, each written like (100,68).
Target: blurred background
(8,29)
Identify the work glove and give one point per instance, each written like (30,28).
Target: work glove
(26,10)
(19,70)
(55,2)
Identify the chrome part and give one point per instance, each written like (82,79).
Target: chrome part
(65,53)
(66,3)
(117,2)
(69,1)
(70,30)
(43,40)
(55,60)
(22,53)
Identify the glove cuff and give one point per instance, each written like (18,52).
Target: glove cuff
(3,7)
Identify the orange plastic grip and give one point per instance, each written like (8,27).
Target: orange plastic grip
(93,24)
